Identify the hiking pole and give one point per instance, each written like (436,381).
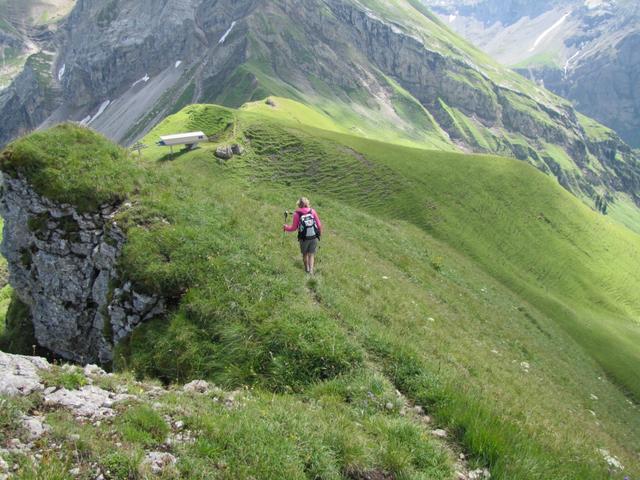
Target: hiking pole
(286,215)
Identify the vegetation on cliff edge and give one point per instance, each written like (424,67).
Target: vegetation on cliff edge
(74,165)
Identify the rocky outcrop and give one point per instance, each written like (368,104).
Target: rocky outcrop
(20,374)
(436,80)
(226,152)
(134,58)
(602,85)
(63,266)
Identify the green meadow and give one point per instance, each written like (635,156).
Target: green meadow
(474,285)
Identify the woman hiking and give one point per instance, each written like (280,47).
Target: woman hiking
(309,227)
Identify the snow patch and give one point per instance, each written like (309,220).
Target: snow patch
(85,121)
(61,71)
(100,111)
(178,63)
(544,34)
(452,18)
(567,64)
(591,4)
(144,79)
(226,34)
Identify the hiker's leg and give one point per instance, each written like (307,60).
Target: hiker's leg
(304,255)
(305,259)
(312,261)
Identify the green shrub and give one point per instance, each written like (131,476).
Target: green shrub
(69,378)
(50,467)
(293,350)
(6,293)
(9,417)
(121,466)
(279,436)
(364,390)
(301,348)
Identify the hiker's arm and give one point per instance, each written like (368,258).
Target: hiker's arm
(294,226)
(318,222)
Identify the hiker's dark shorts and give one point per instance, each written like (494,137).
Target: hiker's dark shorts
(309,246)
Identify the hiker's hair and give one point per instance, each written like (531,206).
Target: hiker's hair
(304,202)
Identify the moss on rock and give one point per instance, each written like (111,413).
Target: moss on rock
(74,165)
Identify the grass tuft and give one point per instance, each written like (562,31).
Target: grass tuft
(72,164)
(143,425)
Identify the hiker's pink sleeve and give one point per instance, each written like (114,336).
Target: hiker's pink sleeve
(294,226)
(318,222)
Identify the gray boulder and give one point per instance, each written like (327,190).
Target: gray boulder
(20,374)
(224,152)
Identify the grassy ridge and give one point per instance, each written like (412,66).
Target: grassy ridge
(475,285)
(511,269)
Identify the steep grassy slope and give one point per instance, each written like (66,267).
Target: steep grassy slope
(475,285)
(218,434)
(418,84)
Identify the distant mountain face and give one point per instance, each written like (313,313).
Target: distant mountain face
(584,50)
(387,70)
(25,25)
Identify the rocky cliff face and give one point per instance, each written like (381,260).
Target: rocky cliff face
(584,51)
(63,266)
(26,27)
(603,85)
(439,81)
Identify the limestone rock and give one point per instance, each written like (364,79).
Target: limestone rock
(65,281)
(4,469)
(611,460)
(197,386)
(479,474)
(93,370)
(34,426)
(159,461)
(237,149)
(20,374)
(224,152)
(89,402)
